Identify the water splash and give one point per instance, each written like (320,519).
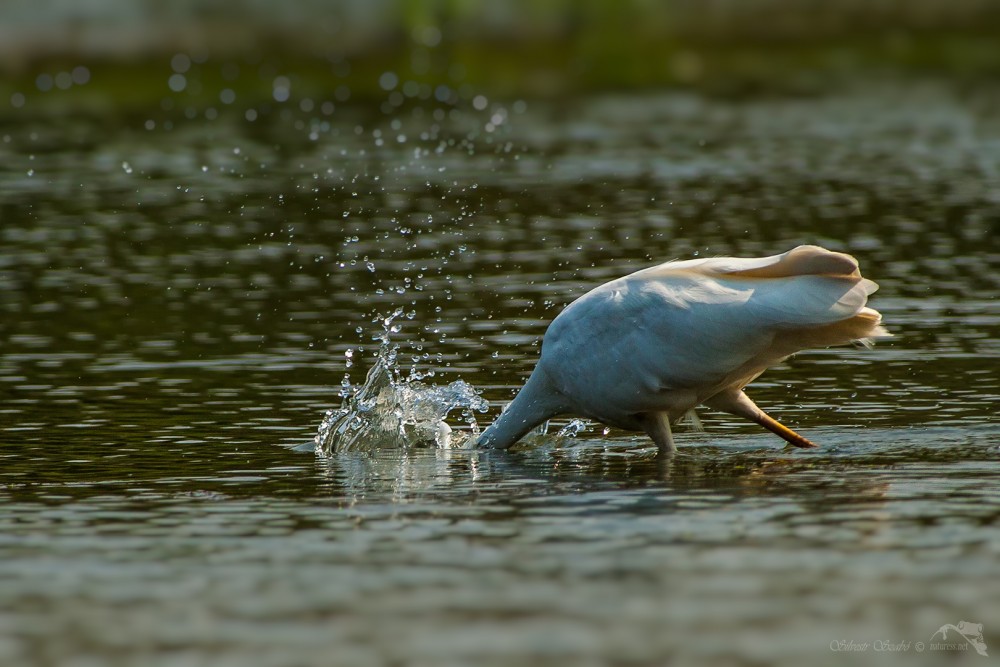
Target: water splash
(389,412)
(574,428)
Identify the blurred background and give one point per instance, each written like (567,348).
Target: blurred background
(128,53)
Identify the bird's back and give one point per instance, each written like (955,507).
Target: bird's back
(669,337)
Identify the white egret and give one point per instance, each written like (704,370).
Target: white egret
(641,351)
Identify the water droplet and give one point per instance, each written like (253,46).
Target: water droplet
(574,428)
(177,82)
(282,89)
(180,63)
(80,74)
(388,81)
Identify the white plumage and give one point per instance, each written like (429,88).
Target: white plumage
(641,351)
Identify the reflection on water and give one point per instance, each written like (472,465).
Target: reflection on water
(570,550)
(178,309)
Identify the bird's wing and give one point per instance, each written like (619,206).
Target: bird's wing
(803,260)
(620,348)
(806,287)
(688,326)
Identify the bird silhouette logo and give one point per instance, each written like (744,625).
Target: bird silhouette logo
(972,633)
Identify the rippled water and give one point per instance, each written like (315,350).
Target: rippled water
(179,307)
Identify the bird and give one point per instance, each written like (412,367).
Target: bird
(640,352)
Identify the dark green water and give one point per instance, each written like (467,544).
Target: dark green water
(175,308)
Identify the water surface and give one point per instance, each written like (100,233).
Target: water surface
(179,307)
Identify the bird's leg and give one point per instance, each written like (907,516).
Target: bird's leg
(695,420)
(779,429)
(657,425)
(737,403)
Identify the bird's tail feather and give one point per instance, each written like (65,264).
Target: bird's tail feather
(863,327)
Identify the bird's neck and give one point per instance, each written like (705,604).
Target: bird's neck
(536,402)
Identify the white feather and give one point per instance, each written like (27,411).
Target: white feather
(664,339)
